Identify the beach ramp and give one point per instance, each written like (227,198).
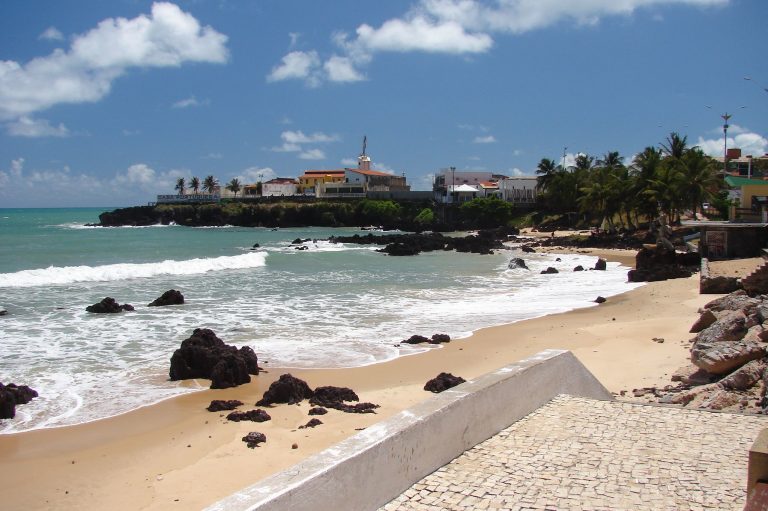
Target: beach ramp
(375,466)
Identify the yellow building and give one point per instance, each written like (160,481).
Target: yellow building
(311,178)
(750,197)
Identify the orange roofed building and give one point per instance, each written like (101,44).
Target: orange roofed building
(351,182)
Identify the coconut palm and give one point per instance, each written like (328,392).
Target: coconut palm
(210,184)
(180,185)
(644,168)
(675,146)
(546,170)
(700,181)
(194,183)
(234,186)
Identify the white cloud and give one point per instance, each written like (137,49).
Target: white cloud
(28,127)
(17,167)
(749,143)
(341,69)
(168,37)
(515,172)
(294,38)
(298,137)
(382,167)
(297,65)
(421,34)
(349,162)
(286,148)
(312,154)
(488,139)
(456,27)
(139,173)
(51,34)
(256,174)
(191,101)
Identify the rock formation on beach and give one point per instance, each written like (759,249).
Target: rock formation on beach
(435,339)
(12,395)
(109,306)
(287,389)
(203,355)
(291,390)
(254,438)
(219,405)
(257,415)
(170,297)
(729,367)
(443,381)
(660,263)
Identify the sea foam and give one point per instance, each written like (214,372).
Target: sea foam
(58,275)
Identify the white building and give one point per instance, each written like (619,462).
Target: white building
(279,187)
(520,191)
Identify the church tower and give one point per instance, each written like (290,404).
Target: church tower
(364,161)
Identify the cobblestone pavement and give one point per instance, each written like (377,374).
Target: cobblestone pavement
(582,454)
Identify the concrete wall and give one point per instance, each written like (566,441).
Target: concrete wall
(374,466)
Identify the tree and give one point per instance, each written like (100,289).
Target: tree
(487,212)
(180,185)
(675,146)
(195,184)
(234,186)
(644,168)
(700,181)
(210,184)
(546,170)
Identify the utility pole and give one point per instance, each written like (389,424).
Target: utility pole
(725,117)
(564,150)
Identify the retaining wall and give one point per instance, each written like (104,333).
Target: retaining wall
(369,469)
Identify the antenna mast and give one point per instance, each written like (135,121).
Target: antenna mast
(365,143)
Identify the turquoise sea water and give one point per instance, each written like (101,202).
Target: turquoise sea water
(331,305)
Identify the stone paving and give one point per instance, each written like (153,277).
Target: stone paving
(582,454)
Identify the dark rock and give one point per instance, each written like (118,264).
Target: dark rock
(220,405)
(257,415)
(108,306)
(718,285)
(550,270)
(416,339)
(600,299)
(12,395)
(517,262)
(302,247)
(334,397)
(203,355)
(659,263)
(440,339)
(579,268)
(329,394)
(311,424)
(299,241)
(253,439)
(693,375)
(170,297)
(600,264)
(318,410)
(527,249)
(443,381)
(287,389)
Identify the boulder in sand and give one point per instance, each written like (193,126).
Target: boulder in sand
(287,389)
(443,381)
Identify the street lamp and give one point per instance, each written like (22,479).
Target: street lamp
(725,117)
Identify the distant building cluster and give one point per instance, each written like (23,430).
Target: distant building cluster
(450,186)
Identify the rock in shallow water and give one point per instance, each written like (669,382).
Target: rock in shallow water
(170,297)
(12,395)
(108,306)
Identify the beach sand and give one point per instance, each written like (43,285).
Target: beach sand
(175,454)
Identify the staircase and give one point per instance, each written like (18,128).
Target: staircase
(756,283)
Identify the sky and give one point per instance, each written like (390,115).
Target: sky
(108,103)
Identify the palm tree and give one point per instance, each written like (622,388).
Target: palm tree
(645,167)
(234,186)
(675,146)
(546,170)
(195,184)
(210,184)
(699,178)
(180,185)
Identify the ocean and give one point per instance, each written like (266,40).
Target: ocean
(331,305)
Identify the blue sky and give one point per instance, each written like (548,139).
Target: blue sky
(106,103)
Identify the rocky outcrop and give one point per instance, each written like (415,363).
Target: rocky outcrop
(220,405)
(257,415)
(12,395)
(203,355)
(335,397)
(484,242)
(659,263)
(109,306)
(601,264)
(517,262)
(170,297)
(311,424)
(435,339)
(254,438)
(287,389)
(729,369)
(318,410)
(550,269)
(443,381)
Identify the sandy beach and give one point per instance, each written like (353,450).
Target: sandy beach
(178,455)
